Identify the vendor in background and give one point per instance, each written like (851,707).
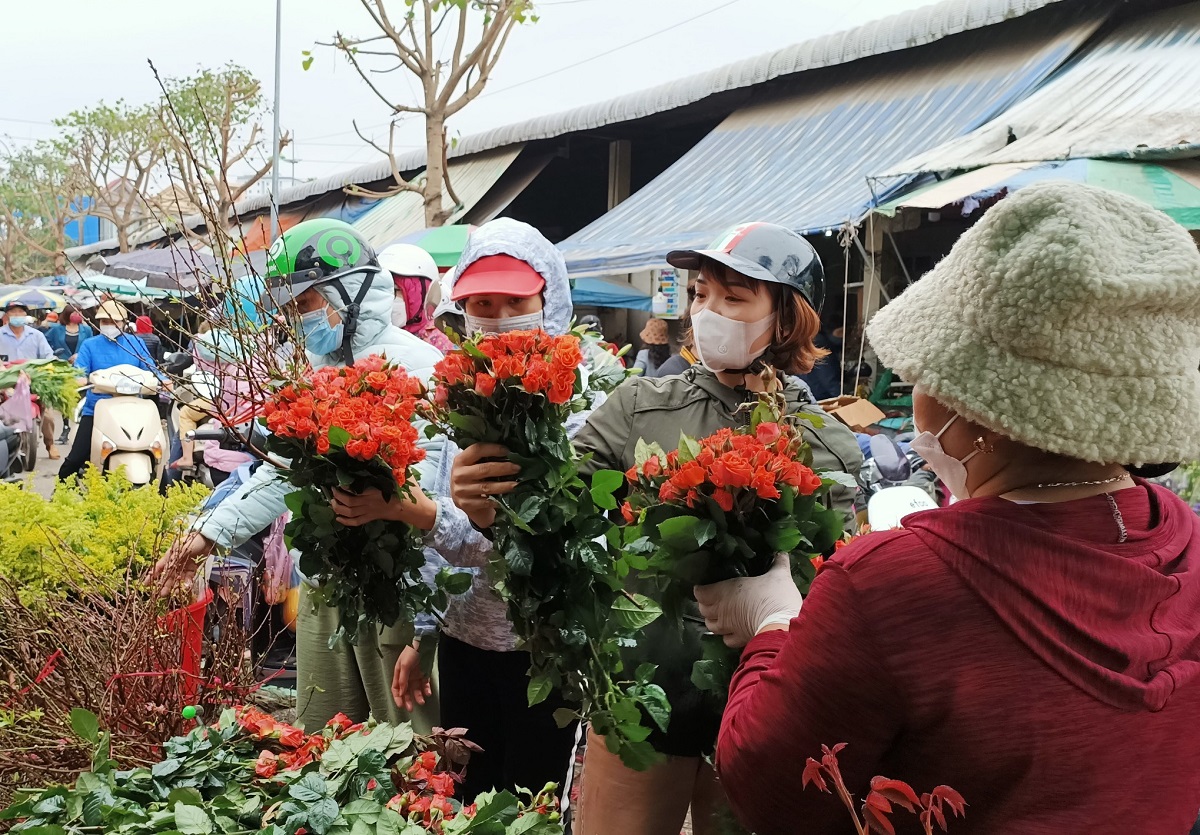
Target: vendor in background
(112,346)
(48,321)
(20,340)
(414,273)
(658,348)
(686,358)
(144,329)
(65,335)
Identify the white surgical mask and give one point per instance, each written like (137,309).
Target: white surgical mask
(952,471)
(724,344)
(399,312)
(482,324)
(18,321)
(111,331)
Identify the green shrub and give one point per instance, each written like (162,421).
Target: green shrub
(106,524)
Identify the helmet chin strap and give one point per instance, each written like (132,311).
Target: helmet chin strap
(350,315)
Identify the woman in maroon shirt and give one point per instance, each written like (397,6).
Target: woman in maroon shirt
(1035,645)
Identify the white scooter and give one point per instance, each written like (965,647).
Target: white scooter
(128,431)
(887,508)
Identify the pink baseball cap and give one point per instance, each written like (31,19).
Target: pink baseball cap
(498,274)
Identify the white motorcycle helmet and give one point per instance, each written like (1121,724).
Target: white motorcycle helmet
(407,261)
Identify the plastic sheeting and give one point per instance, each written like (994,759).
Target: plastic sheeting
(1131,96)
(803,161)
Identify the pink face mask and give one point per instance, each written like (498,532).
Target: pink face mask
(952,471)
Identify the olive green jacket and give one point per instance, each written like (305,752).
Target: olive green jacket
(658,410)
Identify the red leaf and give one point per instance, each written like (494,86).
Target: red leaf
(951,798)
(812,774)
(897,791)
(875,811)
(936,811)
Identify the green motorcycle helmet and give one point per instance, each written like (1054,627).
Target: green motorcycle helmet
(315,252)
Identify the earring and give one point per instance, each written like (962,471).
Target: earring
(982,445)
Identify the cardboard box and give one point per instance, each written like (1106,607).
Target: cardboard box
(856,413)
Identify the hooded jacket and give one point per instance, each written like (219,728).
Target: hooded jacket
(479,617)
(1015,652)
(260,501)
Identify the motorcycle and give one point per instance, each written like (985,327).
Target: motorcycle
(20,410)
(894,496)
(128,430)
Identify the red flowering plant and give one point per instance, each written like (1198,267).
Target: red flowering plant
(722,507)
(351,427)
(884,796)
(565,602)
(249,773)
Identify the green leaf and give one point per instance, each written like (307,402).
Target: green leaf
(565,716)
(686,533)
(307,62)
(191,820)
(838,477)
(784,536)
(654,701)
(604,484)
(310,788)
(637,613)
(689,448)
(338,437)
(539,689)
(643,452)
(455,583)
(322,815)
(165,768)
(85,724)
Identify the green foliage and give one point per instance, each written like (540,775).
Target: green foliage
(53,381)
(373,778)
(83,536)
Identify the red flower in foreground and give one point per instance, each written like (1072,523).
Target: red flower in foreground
(530,361)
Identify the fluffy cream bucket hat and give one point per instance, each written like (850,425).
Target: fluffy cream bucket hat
(1068,319)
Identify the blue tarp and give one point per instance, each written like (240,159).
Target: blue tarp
(803,159)
(597,292)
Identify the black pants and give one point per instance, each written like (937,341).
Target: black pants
(485,692)
(81,450)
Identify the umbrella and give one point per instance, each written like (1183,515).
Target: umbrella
(444,243)
(34,298)
(1170,186)
(179,271)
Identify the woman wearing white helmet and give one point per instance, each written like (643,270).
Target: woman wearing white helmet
(413,272)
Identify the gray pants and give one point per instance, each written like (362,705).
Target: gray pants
(356,681)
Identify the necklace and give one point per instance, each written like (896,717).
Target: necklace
(1117,517)
(1112,480)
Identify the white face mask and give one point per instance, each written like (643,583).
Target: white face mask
(952,471)
(111,331)
(482,324)
(399,312)
(724,344)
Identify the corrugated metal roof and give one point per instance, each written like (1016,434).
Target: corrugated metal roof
(802,161)
(900,31)
(403,213)
(1132,96)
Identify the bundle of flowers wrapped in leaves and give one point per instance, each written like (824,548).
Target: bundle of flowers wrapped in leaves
(722,507)
(568,609)
(351,427)
(248,773)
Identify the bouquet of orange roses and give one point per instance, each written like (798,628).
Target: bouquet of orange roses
(722,507)
(351,427)
(566,604)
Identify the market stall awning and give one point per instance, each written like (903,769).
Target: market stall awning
(1131,96)
(1170,186)
(803,160)
(602,292)
(470,177)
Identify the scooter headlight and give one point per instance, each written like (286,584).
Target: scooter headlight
(128,387)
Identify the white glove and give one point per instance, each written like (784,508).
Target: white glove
(740,608)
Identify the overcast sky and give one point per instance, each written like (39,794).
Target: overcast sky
(58,55)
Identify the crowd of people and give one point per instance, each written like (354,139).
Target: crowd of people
(1035,644)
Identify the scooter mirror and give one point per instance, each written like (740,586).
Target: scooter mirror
(890,459)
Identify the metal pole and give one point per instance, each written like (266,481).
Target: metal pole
(275,149)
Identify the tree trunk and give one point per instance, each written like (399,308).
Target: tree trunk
(435,137)
(123,238)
